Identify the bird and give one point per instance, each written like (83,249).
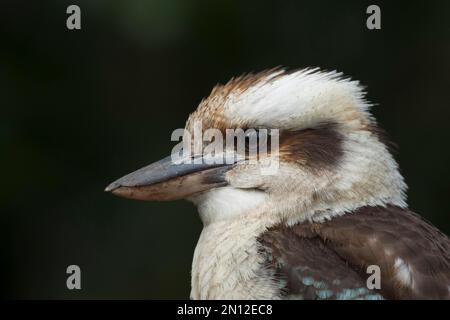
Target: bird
(334,210)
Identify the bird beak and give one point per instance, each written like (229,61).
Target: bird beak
(165,180)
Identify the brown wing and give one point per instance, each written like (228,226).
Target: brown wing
(413,256)
(308,269)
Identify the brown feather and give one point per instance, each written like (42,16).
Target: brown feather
(343,247)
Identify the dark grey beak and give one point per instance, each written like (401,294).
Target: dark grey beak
(165,180)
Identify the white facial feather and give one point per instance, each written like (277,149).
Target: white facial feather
(226,203)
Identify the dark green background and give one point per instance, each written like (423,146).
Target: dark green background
(81,108)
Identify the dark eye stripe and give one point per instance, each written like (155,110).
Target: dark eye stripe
(316,148)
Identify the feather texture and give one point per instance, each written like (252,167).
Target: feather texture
(329,260)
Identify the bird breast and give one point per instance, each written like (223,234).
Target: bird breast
(227,264)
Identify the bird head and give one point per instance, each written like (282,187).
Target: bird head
(329,153)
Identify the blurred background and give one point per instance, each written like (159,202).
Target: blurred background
(81,108)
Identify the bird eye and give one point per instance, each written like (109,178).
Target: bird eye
(257,140)
(252,133)
(251,140)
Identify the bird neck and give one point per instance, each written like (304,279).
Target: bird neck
(227,263)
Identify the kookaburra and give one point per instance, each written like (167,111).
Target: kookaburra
(335,207)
